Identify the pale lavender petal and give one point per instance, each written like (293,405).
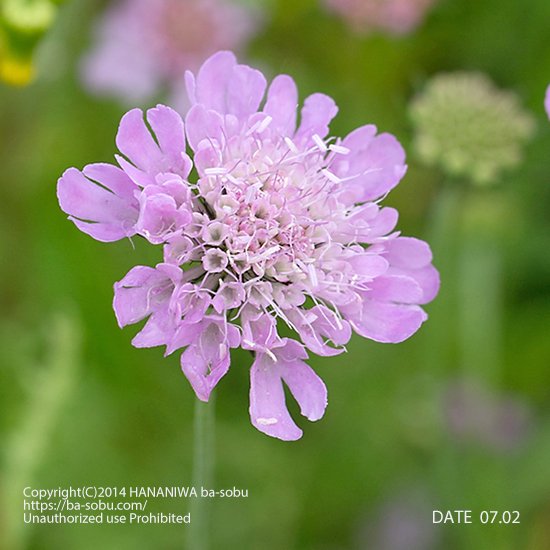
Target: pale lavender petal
(134,294)
(157,331)
(259,333)
(207,360)
(305,385)
(374,165)
(268,412)
(141,178)
(408,252)
(103,232)
(190,87)
(245,91)
(387,322)
(135,142)
(368,265)
(282,104)
(427,278)
(395,288)
(201,372)
(317,112)
(213,81)
(168,128)
(383,223)
(113,178)
(186,334)
(160,218)
(202,124)
(318,325)
(113,216)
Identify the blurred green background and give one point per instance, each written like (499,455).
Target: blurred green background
(458,417)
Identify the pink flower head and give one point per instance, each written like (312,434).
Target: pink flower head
(394,16)
(143,45)
(281,225)
(547,102)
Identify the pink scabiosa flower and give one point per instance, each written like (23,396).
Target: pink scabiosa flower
(281,225)
(393,16)
(142,46)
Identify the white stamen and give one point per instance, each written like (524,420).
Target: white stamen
(339,149)
(221,171)
(270,251)
(253,128)
(320,143)
(313,275)
(330,176)
(249,194)
(290,144)
(264,124)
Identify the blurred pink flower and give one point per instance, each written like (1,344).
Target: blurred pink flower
(399,522)
(547,101)
(477,415)
(144,46)
(281,223)
(393,16)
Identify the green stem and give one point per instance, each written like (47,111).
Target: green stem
(480,297)
(203,473)
(442,236)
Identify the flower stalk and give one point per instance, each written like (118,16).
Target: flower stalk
(203,472)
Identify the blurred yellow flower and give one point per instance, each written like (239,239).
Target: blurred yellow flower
(23,24)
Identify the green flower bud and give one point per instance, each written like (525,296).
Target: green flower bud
(468,127)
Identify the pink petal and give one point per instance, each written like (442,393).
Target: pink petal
(259,332)
(427,278)
(383,223)
(387,322)
(317,324)
(157,331)
(214,79)
(202,124)
(169,131)
(268,409)
(374,166)
(111,177)
(190,87)
(132,301)
(408,252)
(143,179)
(134,140)
(317,112)
(281,104)
(203,373)
(102,232)
(268,412)
(395,288)
(368,265)
(245,91)
(207,359)
(113,216)
(305,385)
